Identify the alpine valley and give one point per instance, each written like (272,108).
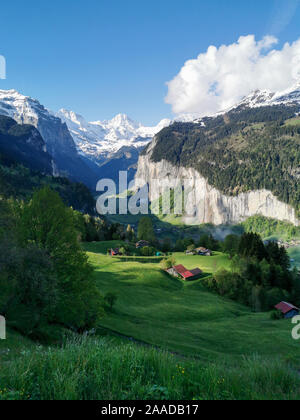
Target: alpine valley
(81,151)
(242,162)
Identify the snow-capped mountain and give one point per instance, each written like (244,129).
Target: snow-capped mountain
(261,98)
(84,151)
(25,145)
(59,142)
(100,140)
(26,110)
(256,99)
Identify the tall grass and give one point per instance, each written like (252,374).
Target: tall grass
(99,369)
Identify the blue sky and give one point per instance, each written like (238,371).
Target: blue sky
(100,58)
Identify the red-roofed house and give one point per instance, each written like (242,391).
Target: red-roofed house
(287,309)
(184,273)
(114,252)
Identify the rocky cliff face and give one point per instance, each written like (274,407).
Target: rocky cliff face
(205,204)
(24,144)
(59,142)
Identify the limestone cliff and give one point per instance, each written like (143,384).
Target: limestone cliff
(208,205)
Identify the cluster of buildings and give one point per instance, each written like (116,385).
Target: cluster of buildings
(181,272)
(115,251)
(200,251)
(290,244)
(140,244)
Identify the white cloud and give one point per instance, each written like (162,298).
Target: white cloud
(222,76)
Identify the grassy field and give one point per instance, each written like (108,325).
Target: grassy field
(293,121)
(294,253)
(219,349)
(184,317)
(108,369)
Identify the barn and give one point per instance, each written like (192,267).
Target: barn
(184,273)
(142,244)
(204,251)
(287,309)
(114,252)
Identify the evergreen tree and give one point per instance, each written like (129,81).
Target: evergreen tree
(146,230)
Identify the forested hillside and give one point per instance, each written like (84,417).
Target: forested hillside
(243,150)
(20,182)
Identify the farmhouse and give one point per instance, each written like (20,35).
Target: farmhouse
(204,251)
(287,309)
(189,252)
(199,251)
(114,252)
(142,244)
(184,273)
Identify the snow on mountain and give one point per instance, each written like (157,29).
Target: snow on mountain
(261,98)
(256,99)
(79,147)
(26,110)
(99,140)
(59,142)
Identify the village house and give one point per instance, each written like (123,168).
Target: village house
(114,252)
(204,251)
(142,244)
(184,273)
(287,309)
(189,252)
(199,251)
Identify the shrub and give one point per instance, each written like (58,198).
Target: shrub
(148,251)
(168,263)
(110,298)
(275,315)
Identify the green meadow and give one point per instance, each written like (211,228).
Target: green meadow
(294,253)
(183,317)
(186,344)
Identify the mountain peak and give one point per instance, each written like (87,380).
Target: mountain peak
(121,117)
(13,94)
(266,97)
(65,114)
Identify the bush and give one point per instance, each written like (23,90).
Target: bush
(275,315)
(147,251)
(110,298)
(168,263)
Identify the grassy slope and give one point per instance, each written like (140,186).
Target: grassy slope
(164,311)
(14,346)
(294,253)
(105,369)
(185,317)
